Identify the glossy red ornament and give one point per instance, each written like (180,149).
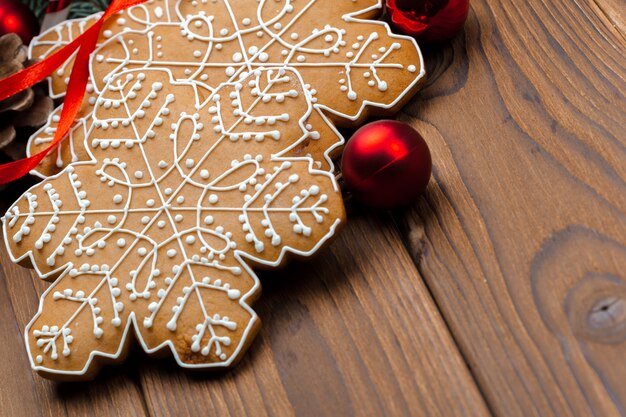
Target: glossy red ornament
(429,21)
(386,164)
(18,18)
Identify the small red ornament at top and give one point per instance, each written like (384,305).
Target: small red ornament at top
(386,164)
(429,21)
(16,17)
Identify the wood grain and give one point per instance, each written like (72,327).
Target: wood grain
(501,292)
(521,238)
(353,333)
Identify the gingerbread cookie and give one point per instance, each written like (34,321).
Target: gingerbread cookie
(207,146)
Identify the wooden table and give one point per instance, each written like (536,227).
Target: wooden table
(501,292)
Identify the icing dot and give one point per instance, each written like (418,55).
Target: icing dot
(412,68)
(117,198)
(138,175)
(171,253)
(121,242)
(111,219)
(213,198)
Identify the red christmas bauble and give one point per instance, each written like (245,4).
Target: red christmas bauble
(386,164)
(429,21)
(18,18)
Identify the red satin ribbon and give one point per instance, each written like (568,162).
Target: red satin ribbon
(85,44)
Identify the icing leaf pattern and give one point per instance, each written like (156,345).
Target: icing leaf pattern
(71,149)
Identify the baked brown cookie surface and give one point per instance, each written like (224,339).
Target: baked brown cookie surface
(206,141)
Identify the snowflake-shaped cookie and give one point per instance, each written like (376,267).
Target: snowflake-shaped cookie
(203,148)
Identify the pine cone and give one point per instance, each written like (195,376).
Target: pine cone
(27,110)
(21,114)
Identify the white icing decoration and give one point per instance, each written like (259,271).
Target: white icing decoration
(272,177)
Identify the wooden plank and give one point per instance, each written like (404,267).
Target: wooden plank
(352,333)
(613,13)
(18,392)
(522,241)
(522,237)
(24,393)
